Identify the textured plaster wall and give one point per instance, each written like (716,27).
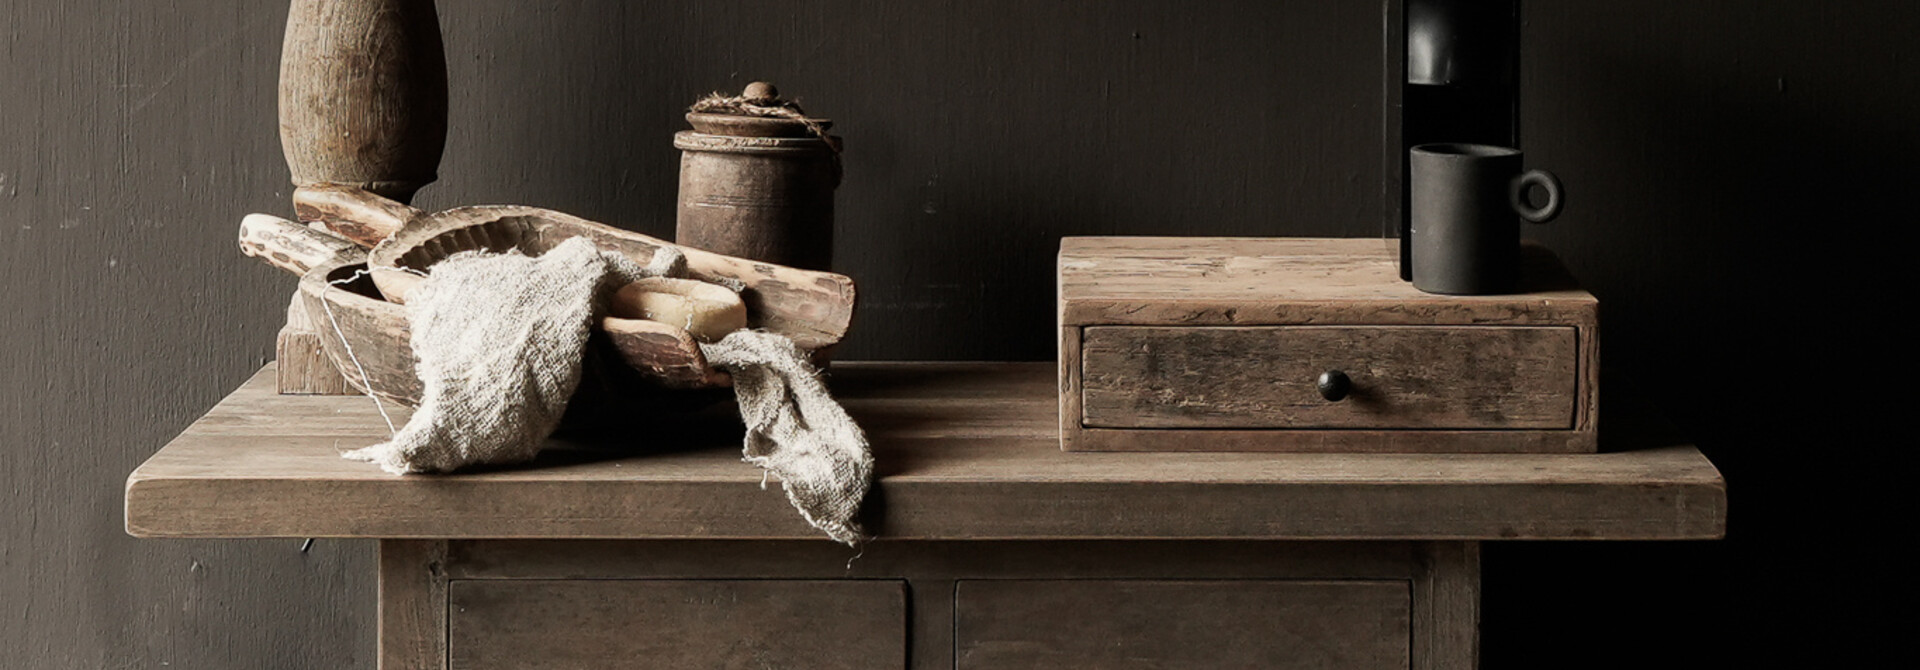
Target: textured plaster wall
(1739,176)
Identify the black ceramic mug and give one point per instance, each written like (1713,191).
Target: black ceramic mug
(1466,205)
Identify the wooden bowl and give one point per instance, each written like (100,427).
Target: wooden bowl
(372,349)
(814,309)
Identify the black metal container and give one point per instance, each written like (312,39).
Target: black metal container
(1452,75)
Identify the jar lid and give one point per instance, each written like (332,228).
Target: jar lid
(758,111)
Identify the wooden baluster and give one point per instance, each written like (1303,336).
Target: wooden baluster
(363,94)
(363,102)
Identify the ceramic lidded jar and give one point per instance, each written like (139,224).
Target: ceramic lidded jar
(756,180)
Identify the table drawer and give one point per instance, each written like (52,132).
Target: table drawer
(574,624)
(1119,624)
(1403,377)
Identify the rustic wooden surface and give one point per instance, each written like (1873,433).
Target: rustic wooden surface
(928,559)
(290,246)
(413,605)
(768,197)
(1224,281)
(362,102)
(353,212)
(300,357)
(814,308)
(1011,624)
(1403,377)
(934,571)
(304,366)
(367,338)
(1209,343)
(1446,614)
(745,624)
(964,451)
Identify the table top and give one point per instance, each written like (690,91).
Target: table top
(962,451)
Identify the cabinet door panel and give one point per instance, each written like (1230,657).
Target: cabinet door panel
(1122,624)
(574,624)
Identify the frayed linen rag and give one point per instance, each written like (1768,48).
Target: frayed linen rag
(500,339)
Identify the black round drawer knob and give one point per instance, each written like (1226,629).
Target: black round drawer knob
(1334,385)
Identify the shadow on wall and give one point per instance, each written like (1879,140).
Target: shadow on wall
(1738,183)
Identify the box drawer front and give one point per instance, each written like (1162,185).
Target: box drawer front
(1118,624)
(534,624)
(1403,377)
(1266,377)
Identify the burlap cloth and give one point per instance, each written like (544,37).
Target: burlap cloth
(500,339)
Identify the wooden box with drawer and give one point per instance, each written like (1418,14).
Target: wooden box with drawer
(1314,345)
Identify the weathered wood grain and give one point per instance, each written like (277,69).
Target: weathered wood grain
(1330,441)
(814,308)
(932,569)
(368,339)
(288,245)
(413,605)
(1010,624)
(963,451)
(929,559)
(1197,344)
(1446,596)
(305,367)
(745,624)
(363,94)
(666,353)
(301,359)
(352,212)
(1264,377)
(757,188)
(1216,281)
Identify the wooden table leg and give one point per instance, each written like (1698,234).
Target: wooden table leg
(1446,624)
(363,101)
(413,604)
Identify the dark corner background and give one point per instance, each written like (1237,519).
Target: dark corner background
(1741,178)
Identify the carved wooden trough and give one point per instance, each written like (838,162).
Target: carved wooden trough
(367,336)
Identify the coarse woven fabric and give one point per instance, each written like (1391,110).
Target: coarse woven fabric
(500,339)
(796,431)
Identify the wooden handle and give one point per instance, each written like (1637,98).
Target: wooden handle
(355,213)
(290,246)
(706,311)
(666,353)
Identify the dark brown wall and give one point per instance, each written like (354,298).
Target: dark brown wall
(1738,173)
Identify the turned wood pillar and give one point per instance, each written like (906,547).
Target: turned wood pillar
(363,102)
(363,94)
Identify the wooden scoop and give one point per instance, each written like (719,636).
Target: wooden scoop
(706,311)
(814,309)
(665,353)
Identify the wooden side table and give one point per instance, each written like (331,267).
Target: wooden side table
(996,549)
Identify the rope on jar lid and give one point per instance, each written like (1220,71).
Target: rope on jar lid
(762,100)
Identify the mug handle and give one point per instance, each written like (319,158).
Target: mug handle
(1517,195)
